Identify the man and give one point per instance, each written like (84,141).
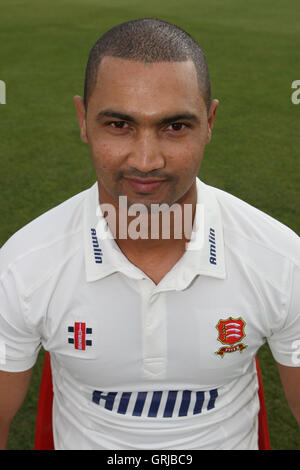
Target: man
(152,338)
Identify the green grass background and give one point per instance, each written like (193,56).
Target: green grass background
(253,52)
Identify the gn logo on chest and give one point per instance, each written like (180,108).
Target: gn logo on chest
(231,332)
(79,337)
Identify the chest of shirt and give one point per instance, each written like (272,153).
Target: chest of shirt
(117,332)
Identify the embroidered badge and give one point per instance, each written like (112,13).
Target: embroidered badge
(80,331)
(231,331)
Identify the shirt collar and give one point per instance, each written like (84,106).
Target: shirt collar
(204,253)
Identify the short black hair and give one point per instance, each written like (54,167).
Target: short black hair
(147,40)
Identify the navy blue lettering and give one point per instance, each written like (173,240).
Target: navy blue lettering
(139,404)
(97,250)
(185,403)
(155,402)
(109,398)
(199,403)
(169,408)
(123,405)
(185,408)
(212,246)
(213,395)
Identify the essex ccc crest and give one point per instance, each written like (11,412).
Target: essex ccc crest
(231,331)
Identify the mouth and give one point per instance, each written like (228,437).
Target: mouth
(145,185)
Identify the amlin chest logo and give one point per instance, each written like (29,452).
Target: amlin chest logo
(231,332)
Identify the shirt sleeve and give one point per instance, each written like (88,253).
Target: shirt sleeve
(19,344)
(285,342)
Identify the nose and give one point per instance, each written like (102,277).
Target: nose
(146,154)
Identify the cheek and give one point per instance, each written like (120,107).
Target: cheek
(106,156)
(184,156)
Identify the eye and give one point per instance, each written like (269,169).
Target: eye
(117,124)
(177,126)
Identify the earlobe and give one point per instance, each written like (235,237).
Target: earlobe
(79,105)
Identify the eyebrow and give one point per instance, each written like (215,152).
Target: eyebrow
(166,120)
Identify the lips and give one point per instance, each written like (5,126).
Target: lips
(146,185)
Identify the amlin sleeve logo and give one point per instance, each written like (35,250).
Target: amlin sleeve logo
(231,331)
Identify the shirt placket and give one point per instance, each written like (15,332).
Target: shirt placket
(154,330)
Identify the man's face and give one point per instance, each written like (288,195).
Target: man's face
(147,127)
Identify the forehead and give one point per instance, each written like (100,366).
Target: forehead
(146,87)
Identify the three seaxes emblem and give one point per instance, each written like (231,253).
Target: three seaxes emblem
(231,331)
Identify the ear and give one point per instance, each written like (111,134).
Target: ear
(79,105)
(211,118)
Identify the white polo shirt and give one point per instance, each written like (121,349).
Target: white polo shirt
(144,366)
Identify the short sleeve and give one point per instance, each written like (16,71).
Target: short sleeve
(285,342)
(19,345)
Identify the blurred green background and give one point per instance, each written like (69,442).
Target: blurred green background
(253,52)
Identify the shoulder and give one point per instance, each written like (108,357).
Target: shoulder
(244,221)
(55,227)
